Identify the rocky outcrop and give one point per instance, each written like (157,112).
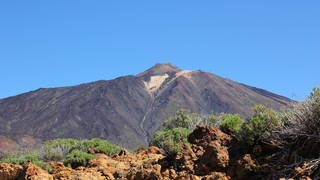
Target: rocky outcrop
(207,157)
(33,172)
(10,171)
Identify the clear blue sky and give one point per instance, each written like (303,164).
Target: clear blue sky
(269,44)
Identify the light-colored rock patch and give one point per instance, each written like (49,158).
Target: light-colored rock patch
(155,82)
(185,73)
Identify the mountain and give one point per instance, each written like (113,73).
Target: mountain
(127,110)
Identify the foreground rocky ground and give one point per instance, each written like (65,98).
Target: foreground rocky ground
(211,154)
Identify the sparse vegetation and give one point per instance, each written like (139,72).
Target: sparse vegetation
(72,152)
(23,157)
(58,149)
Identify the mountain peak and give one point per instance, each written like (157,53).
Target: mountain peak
(165,65)
(160,69)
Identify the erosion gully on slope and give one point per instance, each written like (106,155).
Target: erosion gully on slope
(148,109)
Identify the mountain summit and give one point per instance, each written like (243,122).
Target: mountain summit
(127,110)
(160,69)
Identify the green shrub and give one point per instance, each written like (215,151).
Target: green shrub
(170,139)
(23,157)
(263,120)
(102,146)
(77,158)
(231,123)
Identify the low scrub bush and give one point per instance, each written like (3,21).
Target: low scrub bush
(231,123)
(102,146)
(263,120)
(58,149)
(77,158)
(23,157)
(171,139)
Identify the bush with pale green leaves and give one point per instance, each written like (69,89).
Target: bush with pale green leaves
(231,123)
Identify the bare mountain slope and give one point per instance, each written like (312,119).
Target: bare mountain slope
(127,110)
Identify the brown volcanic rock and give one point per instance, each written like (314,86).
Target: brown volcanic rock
(130,166)
(186,160)
(107,165)
(204,135)
(216,156)
(80,174)
(10,171)
(243,168)
(59,171)
(149,173)
(127,110)
(32,172)
(211,146)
